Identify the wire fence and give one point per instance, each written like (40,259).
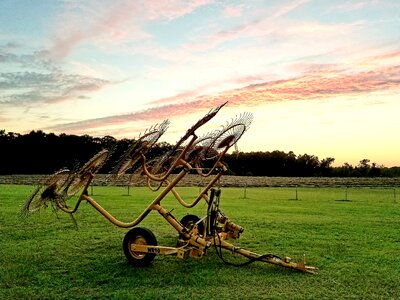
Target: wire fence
(296,188)
(333,193)
(234,181)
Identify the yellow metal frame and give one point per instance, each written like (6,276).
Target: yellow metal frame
(195,244)
(218,227)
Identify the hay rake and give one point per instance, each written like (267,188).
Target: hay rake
(202,155)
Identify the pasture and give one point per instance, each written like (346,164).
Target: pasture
(352,236)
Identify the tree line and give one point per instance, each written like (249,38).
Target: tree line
(43,153)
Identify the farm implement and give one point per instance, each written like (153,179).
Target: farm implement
(191,154)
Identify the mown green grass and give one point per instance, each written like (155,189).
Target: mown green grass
(355,244)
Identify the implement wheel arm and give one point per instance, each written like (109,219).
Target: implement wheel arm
(268,258)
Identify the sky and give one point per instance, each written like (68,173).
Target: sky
(320,77)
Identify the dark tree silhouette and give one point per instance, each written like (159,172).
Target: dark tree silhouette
(43,153)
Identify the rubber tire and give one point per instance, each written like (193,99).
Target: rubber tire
(145,237)
(188,220)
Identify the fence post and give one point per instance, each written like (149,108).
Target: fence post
(394,195)
(296,193)
(245,191)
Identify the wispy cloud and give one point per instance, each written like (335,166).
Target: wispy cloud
(287,8)
(318,84)
(154,114)
(33,78)
(203,89)
(113,24)
(35,60)
(233,11)
(169,10)
(316,29)
(391,57)
(23,88)
(102,23)
(273,24)
(3,118)
(355,5)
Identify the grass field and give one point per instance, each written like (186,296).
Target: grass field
(355,244)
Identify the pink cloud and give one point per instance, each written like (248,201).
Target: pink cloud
(114,23)
(168,10)
(63,46)
(273,23)
(288,7)
(315,85)
(318,82)
(255,28)
(193,93)
(320,85)
(354,5)
(105,23)
(386,57)
(233,11)
(3,119)
(154,114)
(315,29)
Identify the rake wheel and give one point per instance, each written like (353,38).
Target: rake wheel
(166,162)
(81,178)
(196,152)
(161,165)
(137,149)
(211,114)
(49,191)
(198,156)
(229,134)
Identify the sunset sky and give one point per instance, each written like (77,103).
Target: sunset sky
(320,77)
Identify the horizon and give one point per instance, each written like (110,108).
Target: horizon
(320,77)
(231,151)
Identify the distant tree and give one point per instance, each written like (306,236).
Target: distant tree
(307,164)
(390,172)
(375,170)
(42,153)
(363,167)
(343,171)
(325,166)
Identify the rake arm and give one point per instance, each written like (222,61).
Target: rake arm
(285,262)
